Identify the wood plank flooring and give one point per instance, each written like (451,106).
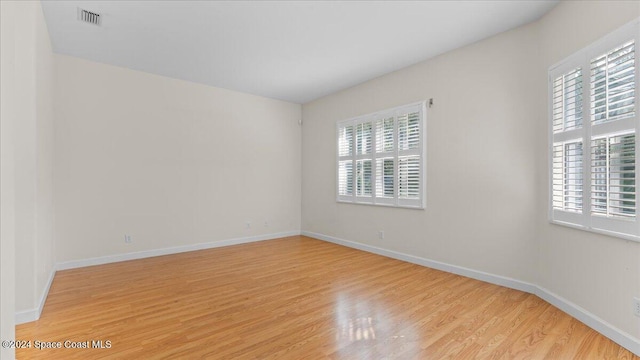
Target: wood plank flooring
(299,298)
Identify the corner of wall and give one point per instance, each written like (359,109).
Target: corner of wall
(33,314)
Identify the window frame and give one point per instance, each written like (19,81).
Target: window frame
(374,156)
(626,228)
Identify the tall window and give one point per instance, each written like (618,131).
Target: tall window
(594,121)
(381,158)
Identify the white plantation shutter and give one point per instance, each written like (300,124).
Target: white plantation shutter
(384,135)
(345,178)
(567,101)
(345,164)
(613,141)
(345,141)
(557,176)
(567,156)
(613,84)
(593,162)
(381,158)
(364,179)
(410,164)
(408,177)
(385,178)
(568,176)
(364,138)
(409,131)
(364,168)
(385,160)
(613,176)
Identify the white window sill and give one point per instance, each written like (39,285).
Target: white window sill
(381,205)
(598,231)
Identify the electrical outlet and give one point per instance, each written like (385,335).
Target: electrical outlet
(266,223)
(127,239)
(381,235)
(636,306)
(247,224)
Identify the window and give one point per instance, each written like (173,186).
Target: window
(594,121)
(381,158)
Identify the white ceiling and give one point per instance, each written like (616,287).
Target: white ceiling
(290,50)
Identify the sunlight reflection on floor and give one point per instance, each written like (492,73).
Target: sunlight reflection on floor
(356,329)
(366,325)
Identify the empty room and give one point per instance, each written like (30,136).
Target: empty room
(319,179)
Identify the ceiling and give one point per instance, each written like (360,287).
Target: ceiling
(296,51)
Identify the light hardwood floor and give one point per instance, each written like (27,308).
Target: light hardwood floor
(296,298)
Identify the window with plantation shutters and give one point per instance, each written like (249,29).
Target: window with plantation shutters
(381,158)
(594,121)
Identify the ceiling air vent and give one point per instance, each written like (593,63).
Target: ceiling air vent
(88,17)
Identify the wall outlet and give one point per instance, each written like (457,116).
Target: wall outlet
(381,235)
(266,223)
(127,239)
(636,306)
(247,224)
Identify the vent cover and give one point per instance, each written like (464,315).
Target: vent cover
(89,17)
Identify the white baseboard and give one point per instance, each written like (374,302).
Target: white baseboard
(26,316)
(459,270)
(170,250)
(620,337)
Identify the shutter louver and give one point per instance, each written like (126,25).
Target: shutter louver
(384,135)
(409,131)
(345,178)
(573,176)
(364,138)
(567,176)
(613,179)
(599,176)
(613,84)
(345,167)
(567,101)
(345,141)
(558,176)
(385,178)
(363,178)
(408,177)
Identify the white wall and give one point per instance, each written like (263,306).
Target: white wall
(25,156)
(34,159)
(169,162)
(598,273)
(44,255)
(480,153)
(487,167)
(27,145)
(8,116)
